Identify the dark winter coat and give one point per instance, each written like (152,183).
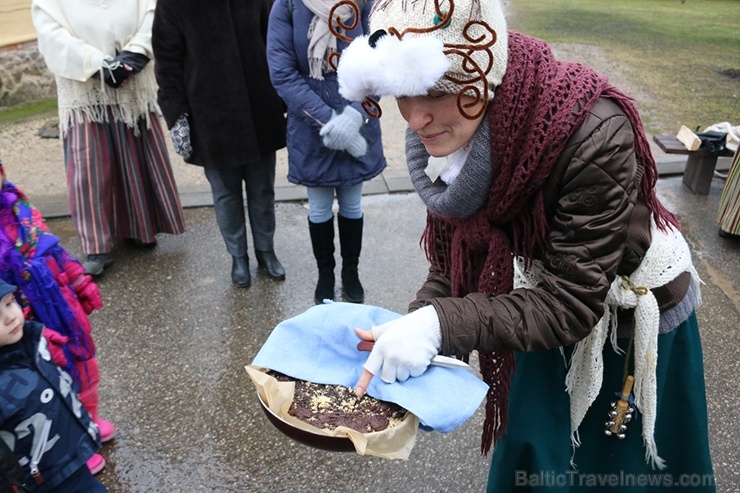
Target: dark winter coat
(311,101)
(35,391)
(210,62)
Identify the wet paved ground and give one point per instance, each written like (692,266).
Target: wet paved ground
(174,336)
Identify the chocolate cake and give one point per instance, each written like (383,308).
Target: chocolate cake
(330,406)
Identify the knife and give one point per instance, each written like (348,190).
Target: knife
(438,360)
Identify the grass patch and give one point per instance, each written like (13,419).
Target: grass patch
(687,53)
(26,111)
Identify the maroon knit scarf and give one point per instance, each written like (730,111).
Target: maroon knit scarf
(539,104)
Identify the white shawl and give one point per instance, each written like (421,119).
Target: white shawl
(667,258)
(75,36)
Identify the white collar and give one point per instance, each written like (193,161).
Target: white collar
(448,167)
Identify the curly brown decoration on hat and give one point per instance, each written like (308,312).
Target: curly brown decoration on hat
(371,107)
(470,66)
(335,30)
(338,27)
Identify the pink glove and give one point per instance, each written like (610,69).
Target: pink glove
(55,342)
(87,291)
(89,295)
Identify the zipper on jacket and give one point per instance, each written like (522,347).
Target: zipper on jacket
(38,452)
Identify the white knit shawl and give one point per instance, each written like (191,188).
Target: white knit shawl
(667,258)
(136,98)
(75,36)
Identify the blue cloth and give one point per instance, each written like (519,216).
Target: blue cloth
(320,345)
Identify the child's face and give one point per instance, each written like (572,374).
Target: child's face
(11,320)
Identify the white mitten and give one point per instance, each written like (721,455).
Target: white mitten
(342,132)
(405,347)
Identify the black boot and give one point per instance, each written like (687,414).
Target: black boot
(268,261)
(322,241)
(350,241)
(240,271)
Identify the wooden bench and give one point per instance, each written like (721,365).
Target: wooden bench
(699,167)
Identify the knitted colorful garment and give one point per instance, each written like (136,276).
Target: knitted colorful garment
(538,106)
(54,289)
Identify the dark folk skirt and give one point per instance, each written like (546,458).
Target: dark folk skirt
(536,451)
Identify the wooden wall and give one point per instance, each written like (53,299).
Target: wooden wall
(15,22)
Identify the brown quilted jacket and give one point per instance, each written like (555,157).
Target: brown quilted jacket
(599,228)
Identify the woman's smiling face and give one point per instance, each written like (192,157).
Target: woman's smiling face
(437,120)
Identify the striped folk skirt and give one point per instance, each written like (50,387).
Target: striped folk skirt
(120,183)
(728,216)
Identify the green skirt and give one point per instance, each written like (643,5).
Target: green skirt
(535,453)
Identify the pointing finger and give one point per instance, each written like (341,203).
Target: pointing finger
(362,383)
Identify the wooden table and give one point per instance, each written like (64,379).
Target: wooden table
(699,167)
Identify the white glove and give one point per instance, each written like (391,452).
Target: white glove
(342,132)
(405,347)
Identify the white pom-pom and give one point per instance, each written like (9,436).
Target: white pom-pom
(351,70)
(408,67)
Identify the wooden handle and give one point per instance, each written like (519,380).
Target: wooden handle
(627,388)
(622,407)
(365,345)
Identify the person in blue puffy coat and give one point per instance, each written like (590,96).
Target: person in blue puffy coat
(333,147)
(41,417)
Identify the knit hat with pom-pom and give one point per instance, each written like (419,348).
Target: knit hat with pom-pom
(452,46)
